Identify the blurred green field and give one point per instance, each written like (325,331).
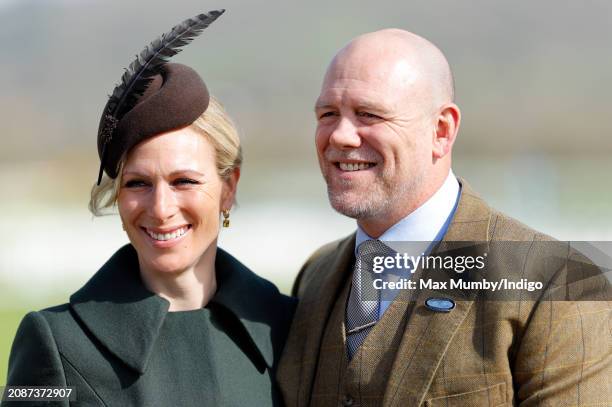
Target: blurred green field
(9,321)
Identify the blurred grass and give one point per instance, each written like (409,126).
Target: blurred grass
(9,322)
(13,307)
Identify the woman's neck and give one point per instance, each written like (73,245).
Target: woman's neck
(185,290)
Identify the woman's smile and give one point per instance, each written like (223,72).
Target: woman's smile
(171,199)
(166,237)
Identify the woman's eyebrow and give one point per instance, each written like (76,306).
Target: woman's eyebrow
(134,173)
(185,172)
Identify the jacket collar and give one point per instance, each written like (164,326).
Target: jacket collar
(317,294)
(472,218)
(249,298)
(126,318)
(415,364)
(470,222)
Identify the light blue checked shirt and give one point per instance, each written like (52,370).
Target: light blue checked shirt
(428,223)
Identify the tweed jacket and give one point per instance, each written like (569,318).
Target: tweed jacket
(482,353)
(107,342)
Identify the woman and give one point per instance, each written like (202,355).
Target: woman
(170,319)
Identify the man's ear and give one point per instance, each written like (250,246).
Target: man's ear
(446,129)
(230,185)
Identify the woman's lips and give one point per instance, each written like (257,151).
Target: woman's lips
(167,236)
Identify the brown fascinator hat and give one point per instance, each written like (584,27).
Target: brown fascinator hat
(154,96)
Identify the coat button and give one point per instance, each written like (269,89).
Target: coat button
(348,401)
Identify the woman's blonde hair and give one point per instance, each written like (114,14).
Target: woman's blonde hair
(214,124)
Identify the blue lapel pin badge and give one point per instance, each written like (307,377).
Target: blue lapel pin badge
(440,304)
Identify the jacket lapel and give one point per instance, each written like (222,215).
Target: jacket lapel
(126,318)
(300,359)
(428,333)
(119,311)
(245,294)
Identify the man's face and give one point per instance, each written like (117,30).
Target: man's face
(373,137)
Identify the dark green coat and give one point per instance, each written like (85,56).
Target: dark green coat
(118,345)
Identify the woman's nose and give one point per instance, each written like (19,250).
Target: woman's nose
(163,202)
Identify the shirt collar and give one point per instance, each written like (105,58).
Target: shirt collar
(426,223)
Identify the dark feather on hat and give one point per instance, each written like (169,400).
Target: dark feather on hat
(138,75)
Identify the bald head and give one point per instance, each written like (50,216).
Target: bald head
(386,124)
(398,58)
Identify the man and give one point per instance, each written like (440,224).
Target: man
(386,127)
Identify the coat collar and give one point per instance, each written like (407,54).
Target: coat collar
(249,298)
(126,318)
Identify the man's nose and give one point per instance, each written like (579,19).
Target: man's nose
(345,135)
(163,202)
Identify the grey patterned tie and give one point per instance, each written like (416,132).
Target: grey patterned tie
(364,300)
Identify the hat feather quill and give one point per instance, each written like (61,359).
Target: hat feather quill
(140,72)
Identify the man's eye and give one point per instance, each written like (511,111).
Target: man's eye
(368,115)
(135,184)
(326,114)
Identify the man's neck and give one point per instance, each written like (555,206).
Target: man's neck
(417,222)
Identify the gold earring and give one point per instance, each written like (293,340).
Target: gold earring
(226,221)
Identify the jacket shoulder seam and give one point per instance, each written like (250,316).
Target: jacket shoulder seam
(67,361)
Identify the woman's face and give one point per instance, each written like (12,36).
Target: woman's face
(170,199)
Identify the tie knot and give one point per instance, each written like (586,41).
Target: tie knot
(368,250)
(373,246)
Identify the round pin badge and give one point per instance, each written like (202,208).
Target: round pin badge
(440,304)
